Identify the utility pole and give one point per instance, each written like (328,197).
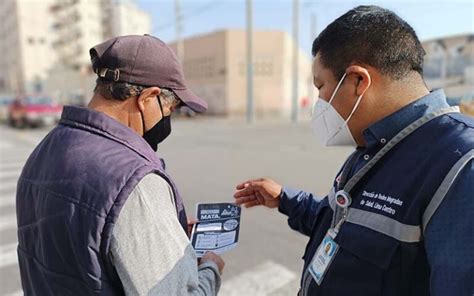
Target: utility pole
(250,102)
(179,31)
(294,105)
(312,36)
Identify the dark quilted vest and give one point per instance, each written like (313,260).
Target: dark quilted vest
(69,196)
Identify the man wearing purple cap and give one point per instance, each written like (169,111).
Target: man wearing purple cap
(97,212)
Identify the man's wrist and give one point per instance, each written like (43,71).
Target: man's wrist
(211,265)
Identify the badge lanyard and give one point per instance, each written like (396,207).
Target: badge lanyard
(342,199)
(328,248)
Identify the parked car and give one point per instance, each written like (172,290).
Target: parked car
(5,102)
(33,111)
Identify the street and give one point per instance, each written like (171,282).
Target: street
(208,157)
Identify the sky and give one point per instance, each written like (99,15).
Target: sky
(430,19)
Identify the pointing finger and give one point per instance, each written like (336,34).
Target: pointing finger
(246,183)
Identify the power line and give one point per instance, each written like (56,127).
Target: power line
(195,12)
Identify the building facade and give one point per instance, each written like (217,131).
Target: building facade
(215,68)
(25,44)
(124,17)
(44,42)
(81,24)
(77,26)
(449,64)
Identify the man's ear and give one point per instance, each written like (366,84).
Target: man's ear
(147,96)
(362,76)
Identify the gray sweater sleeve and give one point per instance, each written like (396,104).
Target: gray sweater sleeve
(151,252)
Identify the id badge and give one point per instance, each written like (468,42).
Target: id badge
(323,258)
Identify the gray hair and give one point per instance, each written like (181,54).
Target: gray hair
(169,96)
(124,90)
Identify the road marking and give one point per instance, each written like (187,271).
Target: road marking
(9,174)
(8,255)
(11,165)
(262,280)
(8,158)
(7,222)
(16,293)
(30,138)
(13,156)
(8,200)
(6,145)
(8,186)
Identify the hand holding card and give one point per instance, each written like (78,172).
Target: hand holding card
(217,228)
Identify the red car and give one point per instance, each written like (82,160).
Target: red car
(33,111)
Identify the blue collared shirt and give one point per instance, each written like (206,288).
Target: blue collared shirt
(449,239)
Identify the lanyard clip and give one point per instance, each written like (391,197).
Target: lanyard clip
(343,199)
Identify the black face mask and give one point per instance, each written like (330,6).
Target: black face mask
(159,132)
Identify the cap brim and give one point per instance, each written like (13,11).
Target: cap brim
(191,100)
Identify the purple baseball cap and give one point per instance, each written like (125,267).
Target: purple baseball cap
(143,60)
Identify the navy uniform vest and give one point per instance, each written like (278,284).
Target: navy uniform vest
(381,249)
(69,196)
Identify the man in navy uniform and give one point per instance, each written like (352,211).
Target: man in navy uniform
(398,219)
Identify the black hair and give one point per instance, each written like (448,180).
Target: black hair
(372,36)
